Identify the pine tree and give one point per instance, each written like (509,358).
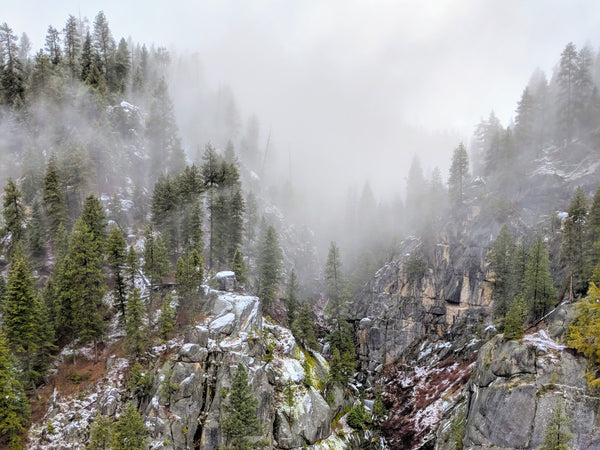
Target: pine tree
(53,45)
(162,136)
(165,211)
(156,263)
(584,330)
(24,317)
(72,44)
(340,340)
(14,213)
(136,335)
(513,322)
(236,223)
(54,201)
(539,289)
(12,84)
(131,267)
(167,318)
(592,235)
(122,66)
(79,309)
(241,420)
(129,432)
(292,297)
(104,45)
(87,57)
(303,327)
(14,407)
(269,264)
(574,240)
(459,175)
(115,248)
(335,289)
(35,230)
(100,433)
(239,267)
(501,259)
(567,75)
(557,434)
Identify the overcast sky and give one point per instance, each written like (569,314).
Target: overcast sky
(351,77)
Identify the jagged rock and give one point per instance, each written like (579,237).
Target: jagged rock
(283,433)
(227,281)
(501,416)
(311,417)
(516,388)
(193,353)
(223,324)
(197,335)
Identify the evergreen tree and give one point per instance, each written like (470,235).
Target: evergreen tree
(79,309)
(72,44)
(292,297)
(54,201)
(501,258)
(567,75)
(14,407)
(100,433)
(167,318)
(122,66)
(584,330)
(239,267)
(513,322)
(236,223)
(35,230)
(574,241)
(557,434)
(24,317)
(539,289)
(193,237)
(131,267)
(53,45)
(136,337)
(104,45)
(12,84)
(115,248)
(211,177)
(165,201)
(269,264)
(87,57)
(14,213)
(519,265)
(129,432)
(156,263)
(162,136)
(303,327)
(241,420)
(343,348)
(335,289)
(459,175)
(592,235)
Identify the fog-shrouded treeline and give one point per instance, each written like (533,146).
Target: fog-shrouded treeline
(115,114)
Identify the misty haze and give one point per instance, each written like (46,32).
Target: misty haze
(321,225)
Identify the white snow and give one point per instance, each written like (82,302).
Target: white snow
(222,322)
(544,342)
(225,274)
(292,370)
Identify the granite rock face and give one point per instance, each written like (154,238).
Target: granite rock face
(516,387)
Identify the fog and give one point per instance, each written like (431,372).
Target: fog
(344,93)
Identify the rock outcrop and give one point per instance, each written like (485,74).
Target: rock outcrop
(516,387)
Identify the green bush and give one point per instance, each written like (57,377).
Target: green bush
(358,417)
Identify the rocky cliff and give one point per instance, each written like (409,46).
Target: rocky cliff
(193,372)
